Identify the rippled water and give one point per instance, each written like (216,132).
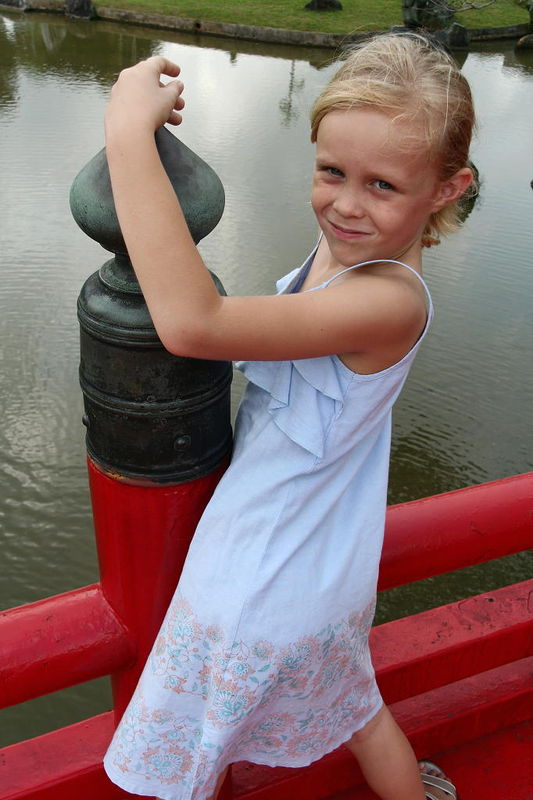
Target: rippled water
(465,415)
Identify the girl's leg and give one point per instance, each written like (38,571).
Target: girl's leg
(387,760)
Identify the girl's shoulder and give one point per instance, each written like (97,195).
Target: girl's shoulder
(394,295)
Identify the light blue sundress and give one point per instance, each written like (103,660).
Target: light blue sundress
(263,655)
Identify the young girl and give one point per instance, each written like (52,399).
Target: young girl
(263,655)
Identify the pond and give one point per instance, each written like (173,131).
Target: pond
(466,414)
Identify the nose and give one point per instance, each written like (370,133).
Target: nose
(348,202)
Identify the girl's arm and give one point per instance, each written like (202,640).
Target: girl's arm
(190,317)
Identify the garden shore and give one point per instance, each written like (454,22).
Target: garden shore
(140,16)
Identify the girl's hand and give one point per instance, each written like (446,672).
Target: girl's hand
(140,101)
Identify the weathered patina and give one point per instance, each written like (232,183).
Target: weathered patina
(148,414)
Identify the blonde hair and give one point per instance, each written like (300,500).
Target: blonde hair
(413,80)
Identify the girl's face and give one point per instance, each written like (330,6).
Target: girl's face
(373,195)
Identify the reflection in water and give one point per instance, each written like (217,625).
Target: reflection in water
(52,36)
(51,42)
(520,59)
(512,58)
(286,104)
(8,72)
(466,409)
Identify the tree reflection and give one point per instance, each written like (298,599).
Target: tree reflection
(88,51)
(521,60)
(288,112)
(8,72)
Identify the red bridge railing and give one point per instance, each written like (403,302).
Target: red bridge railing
(80,635)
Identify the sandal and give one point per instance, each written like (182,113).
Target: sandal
(439,781)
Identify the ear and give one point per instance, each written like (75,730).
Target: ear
(450,190)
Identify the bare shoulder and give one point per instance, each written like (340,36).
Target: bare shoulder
(396,303)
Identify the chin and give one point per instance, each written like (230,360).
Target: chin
(347,256)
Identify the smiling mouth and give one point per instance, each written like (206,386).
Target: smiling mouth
(346,232)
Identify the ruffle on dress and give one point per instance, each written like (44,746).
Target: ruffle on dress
(300,391)
(284,283)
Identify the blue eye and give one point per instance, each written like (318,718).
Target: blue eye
(384,186)
(336,173)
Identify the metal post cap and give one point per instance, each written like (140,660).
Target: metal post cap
(196,184)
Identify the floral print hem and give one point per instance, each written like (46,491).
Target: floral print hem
(215,701)
(146,788)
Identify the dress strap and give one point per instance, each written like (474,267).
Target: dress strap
(380,261)
(303,271)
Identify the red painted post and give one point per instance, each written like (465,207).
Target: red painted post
(143,534)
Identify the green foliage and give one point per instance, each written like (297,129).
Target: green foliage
(502,12)
(357,15)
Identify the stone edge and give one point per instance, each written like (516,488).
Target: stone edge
(240,31)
